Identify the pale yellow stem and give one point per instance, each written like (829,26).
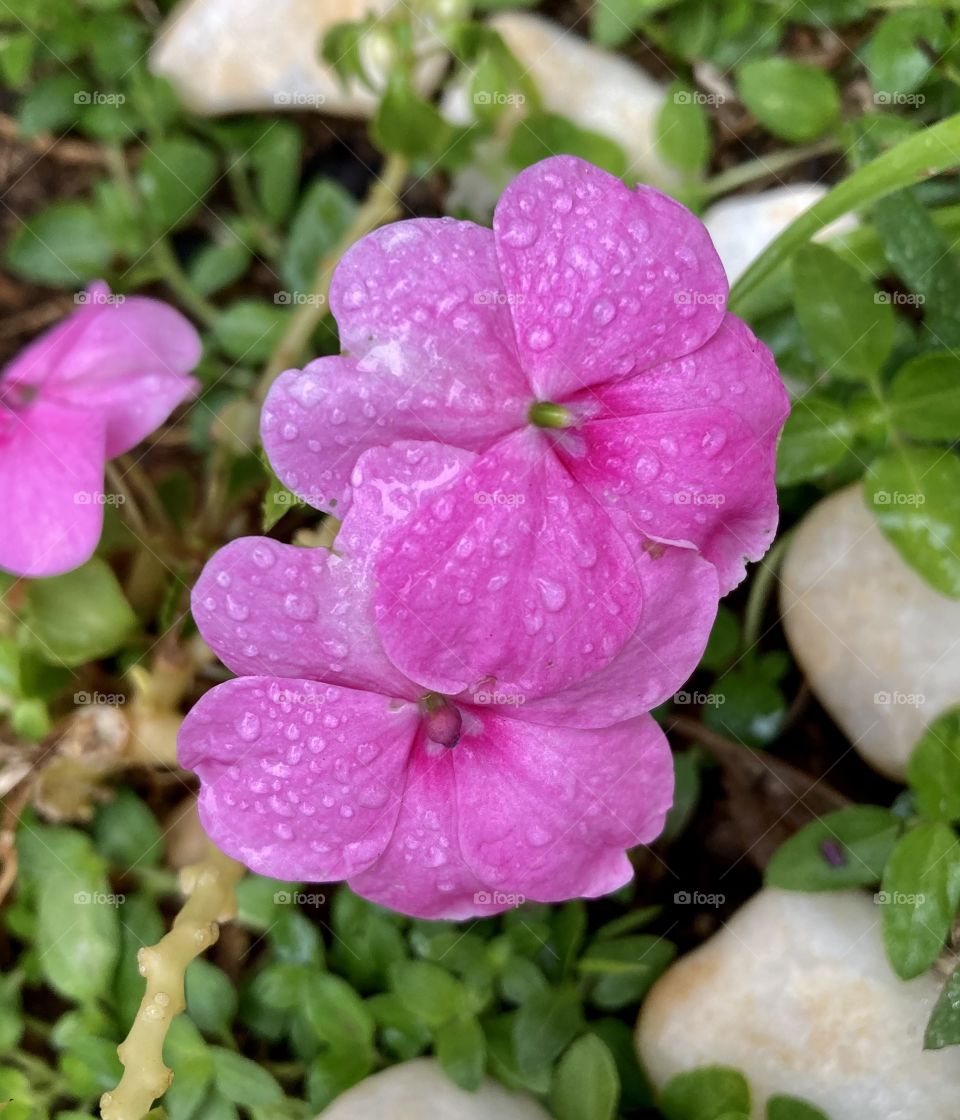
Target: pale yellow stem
(209,885)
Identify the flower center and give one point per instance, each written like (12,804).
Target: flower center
(441,720)
(546,414)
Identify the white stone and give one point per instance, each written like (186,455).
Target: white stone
(594,88)
(797,993)
(224,56)
(878,645)
(420,1089)
(743,225)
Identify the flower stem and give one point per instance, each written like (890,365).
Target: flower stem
(760,588)
(210,885)
(754,169)
(381,205)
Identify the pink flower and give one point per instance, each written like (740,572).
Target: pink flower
(582,348)
(326,761)
(89,389)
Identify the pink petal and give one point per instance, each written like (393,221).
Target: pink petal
(547,812)
(688,451)
(423,872)
(604,281)
(680,597)
(431,356)
(124,356)
(299,780)
(51,488)
(276,610)
(509,579)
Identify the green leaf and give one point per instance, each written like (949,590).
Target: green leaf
(914,493)
(429,991)
(848,848)
(541,135)
(817,436)
(521,979)
(544,1026)
(16,57)
(333,1072)
(403,1034)
(792,1108)
(791,99)
(943,1027)
(127,833)
(585,1085)
(407,124)
(462,1051)
(926,263)
(174,178)
(613,22)
(296,940)
(211,997)
(625,968)
(934,769)
(746,705)
(919,894)
(723,642)
(322,218)
(921,155)
(683,129)
(900,54)
(336,1014)
(219,264)
(78,932)
(52,104)
(63,246)
(707,1093)
(80,616)
(848,329)
(249,329)
(924,398)
(243,1082)
(276,160)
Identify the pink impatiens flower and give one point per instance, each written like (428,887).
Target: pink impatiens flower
(325,761)
(582,348)
(89,389)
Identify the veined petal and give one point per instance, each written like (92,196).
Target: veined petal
(299,780)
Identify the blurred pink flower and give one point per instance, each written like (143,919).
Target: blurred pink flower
(326,761)
(87,390)
(582,348)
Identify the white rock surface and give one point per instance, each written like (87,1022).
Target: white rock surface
(796,992)
(744,225)
(223,56)
(880,647)
(594,88)
(420,1090)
